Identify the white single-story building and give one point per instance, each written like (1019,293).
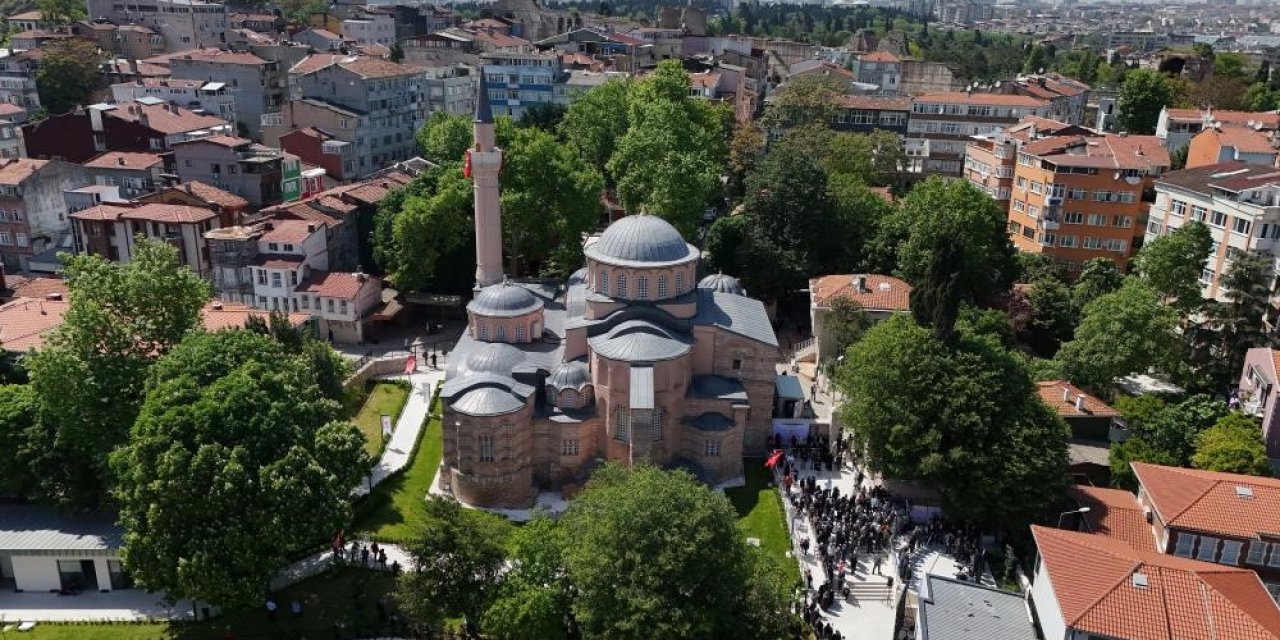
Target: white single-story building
(43,549)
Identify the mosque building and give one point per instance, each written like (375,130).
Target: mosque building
(632,359)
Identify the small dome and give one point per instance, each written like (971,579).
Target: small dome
(504,300)
(494,357)
(722,283)
(487,401)
(641,240)
(569,375)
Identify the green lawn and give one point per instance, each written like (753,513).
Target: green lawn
(95,631)
(760,513)
(389,513)
(384,398)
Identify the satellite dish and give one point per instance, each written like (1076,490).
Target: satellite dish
(1041,71)
(997,84)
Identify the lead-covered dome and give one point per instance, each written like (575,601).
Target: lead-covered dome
(641,240)
(723,284)
(504,300)
(569,375)
(495,357)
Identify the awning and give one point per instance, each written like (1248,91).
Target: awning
(788,387)
(213,86)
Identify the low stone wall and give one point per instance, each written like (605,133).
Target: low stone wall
(374,368)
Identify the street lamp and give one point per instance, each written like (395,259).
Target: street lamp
(1067,513)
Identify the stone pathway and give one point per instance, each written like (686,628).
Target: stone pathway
(398,451)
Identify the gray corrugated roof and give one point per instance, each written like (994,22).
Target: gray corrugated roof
(957,610)
(641,387)
(487,401)
(37,528)
(639,341)
(570,375)
(460,386)
(722,283)
(641,240)
(710,421)
(504,300)
(497,357)
(720,387)
(788,387)
(737,314)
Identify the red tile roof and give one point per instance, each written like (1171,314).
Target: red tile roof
(170,213)
(1051,393)
(218,315)
(125,160)
(879,56)
(336,284)
(40,288)
(883,293)
(101,213)
(208,55)
(363,66)
(273,261)
(995,99)
(1243,139)
(289,231)
(1209,502)
(1108,151)
(10,109)
(14,171)
(166,119)
(230,142)
(1268,119)
(212,194)
(24,322)
(1114,513)
(1092,579)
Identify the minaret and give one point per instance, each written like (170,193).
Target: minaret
(486,162)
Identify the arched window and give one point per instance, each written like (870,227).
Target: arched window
(519,333)
(622,285)
(662,287)
(711,449)
(622,425)
(485,445)
(657,423)
(602,281)
(551,395)
(535,331)
(482,331)
(679,283)
(642,288)
(570,399)
(502,333)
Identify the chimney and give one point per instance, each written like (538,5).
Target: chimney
(862,284)
(55,295)
(311,227)
(216,305)
(1080,402)
(120,161)
(1066,394)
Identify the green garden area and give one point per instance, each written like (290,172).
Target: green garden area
(384,398)
(760,514)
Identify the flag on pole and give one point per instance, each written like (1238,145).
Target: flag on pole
(466,165)
(774,458)
(410,364)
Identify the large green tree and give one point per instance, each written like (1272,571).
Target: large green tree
(1219,338)
(670,160)
(657,554)
(596,121)
(416,240)
(90,376)
(956,249)
(60,11)
(19,425)
(1172,264)
(806,100)
(1142,95)
(1123,332)
(1232,445)
(445,137)
(1161,433)
(1098,277)
(874,158)
(961,417)
(230,468)
(67,75)
(534,598)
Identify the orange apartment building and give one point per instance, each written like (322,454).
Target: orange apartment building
(989,162)
(1079,197)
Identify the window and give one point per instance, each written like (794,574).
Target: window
(273,246)
(662,287)
(602,281)
(1185,543)
(657,423)
(642,288)
(1019,205)
(1073,218)
(1241,225)
(1179,208)
(288,247)
(1117,245)
(1257,552)
(711,449)
(1022,182)
(1033,211)
(737,364)
(1275,555)
(1097,220)
(484,442)
(1123,222)
(1029,232)
(569,447)
(679,283)
(1230,552)
(22,239)
(1219,219)
(622,285)
(6,238)
(306,302)
(342,307)
(622,425)
(482,331)
(501,333)
(1067,241)
(1077,194)
(1091,243)
(293,278)
(1198,213)
(276,281)
(519,333)
(330,305)
(1208,549)
(1037,187)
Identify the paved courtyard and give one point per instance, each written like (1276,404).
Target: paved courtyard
(126,605)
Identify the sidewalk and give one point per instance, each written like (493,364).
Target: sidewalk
(399,449)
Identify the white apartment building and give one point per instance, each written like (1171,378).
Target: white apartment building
(942,124)
(371,28)
(1238,202)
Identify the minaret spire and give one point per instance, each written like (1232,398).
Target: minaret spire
(486,161)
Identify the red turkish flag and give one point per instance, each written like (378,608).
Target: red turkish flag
(774,458)
(466,166)
(410,364)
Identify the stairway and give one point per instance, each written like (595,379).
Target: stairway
(868,589)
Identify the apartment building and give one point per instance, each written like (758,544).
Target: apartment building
(1068,98)
(18,79)
(370,26)
(11,144)
(881,69)
(258,86)
(381,102)
(450,88)
(1256,395)
(183,24)
(130,41)
(230,207)
(1176,127)
(200,96)
(1218,144)
(517,80)
(145,125)
(238,165)
(1239,202)
(864,114)
(989,163)
(133,173)
(941,124)
(112,231)
(33,210)
(1080,197)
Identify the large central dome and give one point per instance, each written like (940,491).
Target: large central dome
(641,240)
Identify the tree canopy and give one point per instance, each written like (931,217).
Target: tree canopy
(458,559)
(1172,263)
(1232,445)
(597,120)
(1161,433)
(1142,95)
(1122,332)
(68,74)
